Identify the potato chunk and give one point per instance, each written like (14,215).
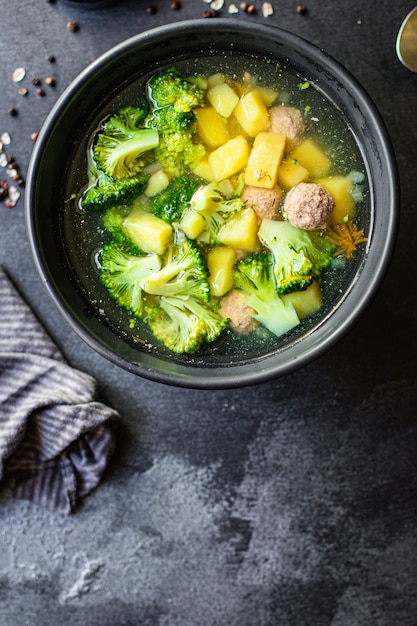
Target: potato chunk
(265,159)
(305,302)
(223,99)
(229,158)
(192,223)
(251,113)
(241,231)
(203,170)
(220,262)
(310,156)
(291,173)
(211,127)
(148,232)
(339,188)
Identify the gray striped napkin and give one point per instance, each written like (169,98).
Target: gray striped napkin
(56,438)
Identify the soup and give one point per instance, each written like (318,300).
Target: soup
(246,166)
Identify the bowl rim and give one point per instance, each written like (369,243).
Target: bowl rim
(245,374)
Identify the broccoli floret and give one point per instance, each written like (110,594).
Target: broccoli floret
(173,118)
(254,276)
(113,220)
(104,192)
(170,203)
(169,87)
(184,324)
(177,152)
(120,143)
(183,273)
(167,119)
(121,273)
(299,256)
(209,202)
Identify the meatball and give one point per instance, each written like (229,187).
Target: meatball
(233,308)
(288,121)
(308,206)
(265,202)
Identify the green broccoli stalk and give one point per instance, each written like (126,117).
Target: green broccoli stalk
(211,204)
(120,143)
(169,87)
(170,203)
(254,276)
(121,273)
(104,192)
(184,324)
(183,273)
(299,256)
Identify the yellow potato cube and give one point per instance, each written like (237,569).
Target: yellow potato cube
(148,232)
(265,159)
(251,113)
(192,223)
(215,79)
(229,158)
(339,188)
(241,231)
(291,173)
(212,127)
(157,182)
(305,302)
(220,262)
(203,169)
(312,157)
(223,99)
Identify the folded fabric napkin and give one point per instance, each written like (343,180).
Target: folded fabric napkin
(56,438)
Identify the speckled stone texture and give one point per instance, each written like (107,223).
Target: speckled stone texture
(292,503)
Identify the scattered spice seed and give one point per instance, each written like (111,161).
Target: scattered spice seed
(73,26)
(40,92)
(175,5)
(34,136)
(210,13)
(244,6)
(251,9)
(51,82)
(12,111)
(301,9)
(22,91)
(51,58)
(36,81)
(151,9)
(18,74)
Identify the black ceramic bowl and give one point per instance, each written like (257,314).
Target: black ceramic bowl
(74,286)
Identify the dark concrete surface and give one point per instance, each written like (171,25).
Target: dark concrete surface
(292,503)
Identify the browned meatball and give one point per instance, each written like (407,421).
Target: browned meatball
(288,121)
(233,308)
(308,206)
(265,202)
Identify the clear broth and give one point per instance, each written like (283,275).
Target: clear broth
(84,234)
